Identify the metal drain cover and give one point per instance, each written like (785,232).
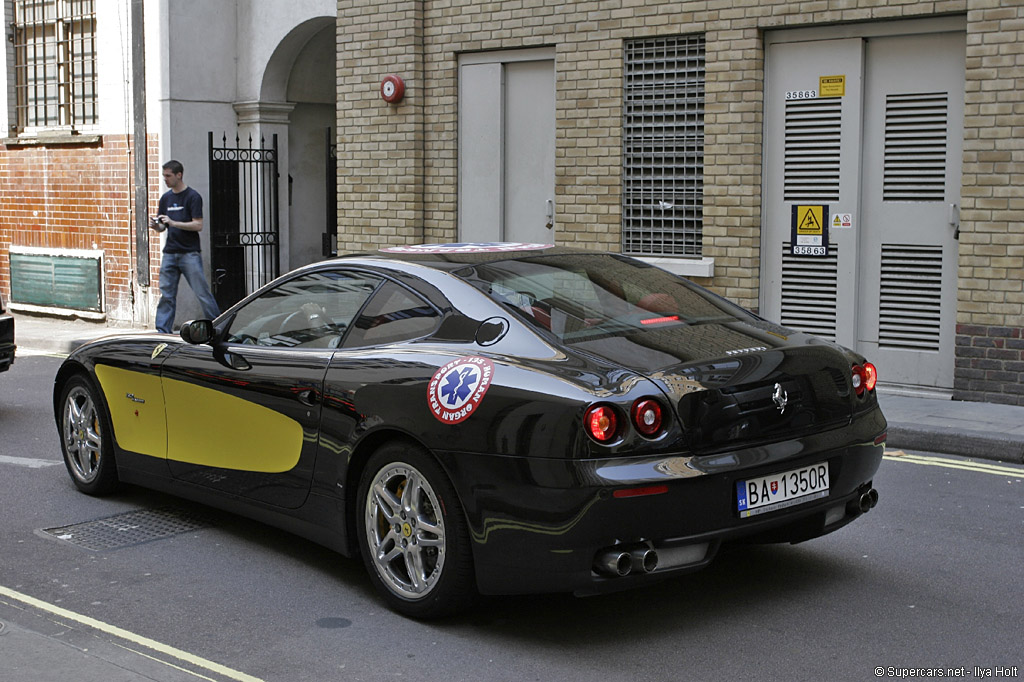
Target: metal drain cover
(129,528)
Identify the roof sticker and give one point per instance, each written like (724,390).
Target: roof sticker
(467,247)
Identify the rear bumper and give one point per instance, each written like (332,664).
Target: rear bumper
(537,525)
(7,346)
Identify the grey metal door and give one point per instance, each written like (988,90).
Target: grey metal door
(507,147)
(913,148)
(870,128)
(530,151)
(811,151)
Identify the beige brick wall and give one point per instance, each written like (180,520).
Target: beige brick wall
(990,309)
(992,217)
(380,145)
(417,170)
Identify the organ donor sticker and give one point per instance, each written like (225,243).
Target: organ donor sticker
(456,389)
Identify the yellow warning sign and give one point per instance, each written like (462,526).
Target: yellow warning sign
(831,86)
(809,220)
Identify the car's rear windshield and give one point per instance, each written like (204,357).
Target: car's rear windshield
(584,296)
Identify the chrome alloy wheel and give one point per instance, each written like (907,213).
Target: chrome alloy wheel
(83,440)
(405,531)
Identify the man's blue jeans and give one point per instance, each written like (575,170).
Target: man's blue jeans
(172,267)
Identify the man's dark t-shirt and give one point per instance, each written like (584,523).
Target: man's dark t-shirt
(181,208)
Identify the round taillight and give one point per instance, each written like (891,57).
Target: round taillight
(870,376)
(647,416)
(601,423)
(857,378)
(864,378)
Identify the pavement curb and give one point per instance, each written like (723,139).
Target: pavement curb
(955,442)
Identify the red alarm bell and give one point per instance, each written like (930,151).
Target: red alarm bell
(392,89)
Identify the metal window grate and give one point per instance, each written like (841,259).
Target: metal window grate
(813,130)
(54,62)
(916,128)
(663,146)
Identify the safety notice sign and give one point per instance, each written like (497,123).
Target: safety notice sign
(809,230)
(831,86)
(842,221)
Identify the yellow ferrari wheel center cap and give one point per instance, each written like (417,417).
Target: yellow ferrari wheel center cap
(406,529)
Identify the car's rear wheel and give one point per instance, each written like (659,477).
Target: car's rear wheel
(85,438)
(413,534)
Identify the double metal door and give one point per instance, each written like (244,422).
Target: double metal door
(507,147)
(871,129)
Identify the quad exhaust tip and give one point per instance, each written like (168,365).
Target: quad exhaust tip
(620,561)
(615,563)
(865,503)
(644,559)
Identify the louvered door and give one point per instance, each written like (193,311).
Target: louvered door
(913,142)
(809,145)
(886,153)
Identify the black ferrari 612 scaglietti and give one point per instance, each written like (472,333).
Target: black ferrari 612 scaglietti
(492,418)
(7,347)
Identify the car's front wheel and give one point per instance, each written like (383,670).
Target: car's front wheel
(413,534)
(85,438)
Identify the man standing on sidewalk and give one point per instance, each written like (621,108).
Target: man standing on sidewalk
(181,214)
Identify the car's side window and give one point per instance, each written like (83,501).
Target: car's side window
(393,314)
(310,311)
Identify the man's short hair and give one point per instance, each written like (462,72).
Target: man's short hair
(175,167)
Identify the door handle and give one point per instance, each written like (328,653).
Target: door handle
(954,220)
(551,214)
(307,397)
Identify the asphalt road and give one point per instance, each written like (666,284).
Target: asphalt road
(930,578)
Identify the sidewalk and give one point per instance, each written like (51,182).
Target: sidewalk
(38,647)
(932,424)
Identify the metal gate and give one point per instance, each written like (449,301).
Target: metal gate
(244,218)
(330,235)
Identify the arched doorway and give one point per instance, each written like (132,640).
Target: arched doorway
(301,73)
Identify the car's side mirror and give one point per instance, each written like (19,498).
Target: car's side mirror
(197,332)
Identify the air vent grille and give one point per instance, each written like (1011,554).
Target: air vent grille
(911,297)
(809,285)
(916,131)
(812,150)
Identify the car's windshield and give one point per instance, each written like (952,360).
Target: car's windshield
(580,297)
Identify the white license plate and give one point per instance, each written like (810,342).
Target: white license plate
(778,491)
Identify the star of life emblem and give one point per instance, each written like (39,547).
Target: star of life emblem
(457,388)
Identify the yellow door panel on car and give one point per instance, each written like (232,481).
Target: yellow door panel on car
(211,428)
(136,405)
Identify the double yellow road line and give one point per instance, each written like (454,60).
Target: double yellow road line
(1003,470)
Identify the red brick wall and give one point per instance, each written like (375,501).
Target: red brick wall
(77,197)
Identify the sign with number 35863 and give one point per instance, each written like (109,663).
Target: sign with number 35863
(801,94)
